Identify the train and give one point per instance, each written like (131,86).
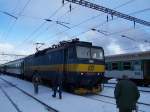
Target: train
(12,67)
(81,63)
(135,65)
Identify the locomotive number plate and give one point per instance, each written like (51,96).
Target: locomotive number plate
(90,68)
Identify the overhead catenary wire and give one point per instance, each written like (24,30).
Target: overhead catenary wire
(15,9)
(109,11)
(15,21)
(73,8)
(93,17)
(10,15)
(136,12)
(117,7)
(10,54)
(73,26)
(83,22)
(27,3)
(106,34)
(105,22)
(135,40)
(38,18)
(140,11)
(50,26)
(131,48)
(141,42)
(41,25)
(124,4)
(58,19)
(5,60)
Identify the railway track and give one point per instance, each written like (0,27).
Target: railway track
(139,89)
(11,101)
(97,99)
(108,102)
(50,109)
(141,103)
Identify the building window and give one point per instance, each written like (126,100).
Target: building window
(127,65)
(115,66)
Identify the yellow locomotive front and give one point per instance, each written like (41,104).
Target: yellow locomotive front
(85,68)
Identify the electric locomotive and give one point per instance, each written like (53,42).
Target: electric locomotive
(81,64)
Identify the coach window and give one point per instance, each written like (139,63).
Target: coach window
(127,65)
(115,66)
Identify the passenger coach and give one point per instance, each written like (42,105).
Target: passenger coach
(135,65)
(13,68)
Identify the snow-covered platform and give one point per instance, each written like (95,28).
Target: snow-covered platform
(69,102)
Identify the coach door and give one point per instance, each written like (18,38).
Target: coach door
(146,68)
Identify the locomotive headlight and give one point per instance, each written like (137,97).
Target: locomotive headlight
(82,73)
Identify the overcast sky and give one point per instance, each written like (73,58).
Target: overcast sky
(20,35)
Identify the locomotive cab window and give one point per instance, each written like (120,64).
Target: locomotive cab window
(96,53)
(83,52)
(90,53)
(127,65)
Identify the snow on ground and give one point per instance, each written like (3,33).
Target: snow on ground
(144,96)
(144,88)
(69,103)
(112,81)
(26,102)
(5,105)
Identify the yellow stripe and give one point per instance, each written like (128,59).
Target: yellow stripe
(85,68)
(70,68)
(57,67)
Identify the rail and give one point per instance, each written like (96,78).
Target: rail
(146,91)
(11,101)
(147,104)
(108,101)
(50,109)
